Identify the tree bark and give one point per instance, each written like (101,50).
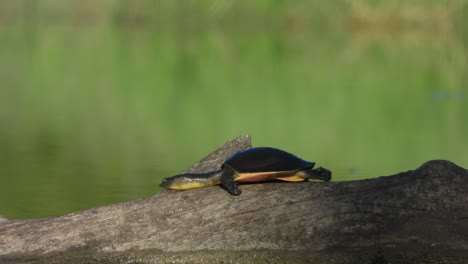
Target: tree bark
(419,216)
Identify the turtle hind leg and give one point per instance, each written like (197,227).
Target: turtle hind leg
(318,174)
(227,181)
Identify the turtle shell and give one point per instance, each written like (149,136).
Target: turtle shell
(264,159)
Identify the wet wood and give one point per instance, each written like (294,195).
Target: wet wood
(419,216)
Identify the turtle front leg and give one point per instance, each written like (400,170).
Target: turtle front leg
(227,181)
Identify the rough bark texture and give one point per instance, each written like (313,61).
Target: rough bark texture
(419,216)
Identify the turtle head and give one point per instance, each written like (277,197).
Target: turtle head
(167,183)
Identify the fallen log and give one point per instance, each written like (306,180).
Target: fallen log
(419,216)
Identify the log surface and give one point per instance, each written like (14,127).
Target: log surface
(419,216)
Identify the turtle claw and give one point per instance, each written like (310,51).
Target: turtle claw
(231,187)
(235,191)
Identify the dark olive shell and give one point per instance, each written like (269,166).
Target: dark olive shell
(266,159)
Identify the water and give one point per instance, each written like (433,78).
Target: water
(98,113)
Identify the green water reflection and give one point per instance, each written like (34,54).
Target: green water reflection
(93,115)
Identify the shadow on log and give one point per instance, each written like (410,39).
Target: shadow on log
(419,216)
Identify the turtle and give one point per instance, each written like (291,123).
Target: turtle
(252,165)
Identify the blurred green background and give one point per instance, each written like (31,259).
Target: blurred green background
(100,100)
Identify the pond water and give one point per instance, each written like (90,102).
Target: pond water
(98,114)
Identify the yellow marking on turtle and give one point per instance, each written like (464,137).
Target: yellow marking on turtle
(189,185)
(265,176)
(292,178)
